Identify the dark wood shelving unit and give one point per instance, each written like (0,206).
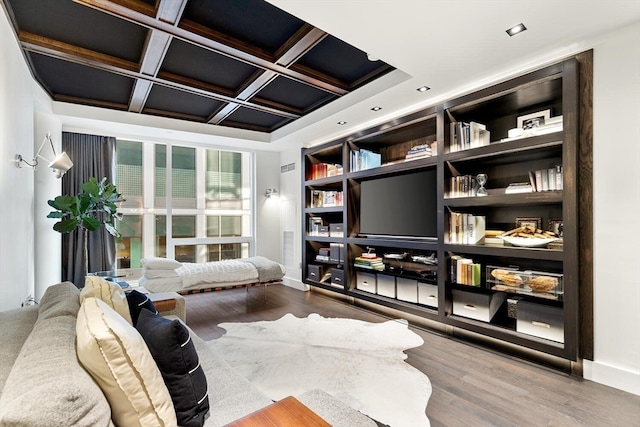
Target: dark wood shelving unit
(554,88)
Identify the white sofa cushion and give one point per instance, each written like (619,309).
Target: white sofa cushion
(116,356)
(109,292)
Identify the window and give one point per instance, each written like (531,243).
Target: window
(204,192)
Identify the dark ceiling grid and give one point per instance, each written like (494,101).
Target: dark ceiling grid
(237,63)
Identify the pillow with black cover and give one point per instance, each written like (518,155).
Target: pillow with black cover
(137,301)
(172,348)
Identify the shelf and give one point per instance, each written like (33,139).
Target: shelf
(518,199)
(330,209)
(507,251)
(327,239)
(519,146)
(508,335)
(394,168)
(420,244)
(328,181)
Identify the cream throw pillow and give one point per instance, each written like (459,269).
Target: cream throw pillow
(117,358)
(109,292)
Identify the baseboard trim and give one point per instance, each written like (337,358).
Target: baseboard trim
(295,283)
(612,376)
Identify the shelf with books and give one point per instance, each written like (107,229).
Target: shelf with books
(497,198)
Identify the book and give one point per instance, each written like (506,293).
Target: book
(532,181)
(551,173)
(518,187)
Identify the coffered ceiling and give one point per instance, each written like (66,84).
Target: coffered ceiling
(236,63)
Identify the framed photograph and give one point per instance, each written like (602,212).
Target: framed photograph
(535,222)
(555,225)
(533,120)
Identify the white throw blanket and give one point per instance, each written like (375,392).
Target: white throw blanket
(233,270)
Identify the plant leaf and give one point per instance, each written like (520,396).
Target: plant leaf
(66,226)
(90,224)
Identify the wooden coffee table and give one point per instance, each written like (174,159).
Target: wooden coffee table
(288,412)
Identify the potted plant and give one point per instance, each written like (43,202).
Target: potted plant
(93,207)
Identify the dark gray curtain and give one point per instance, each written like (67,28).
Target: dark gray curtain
(92,156)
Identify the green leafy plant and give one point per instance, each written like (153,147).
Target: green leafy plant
(93,207)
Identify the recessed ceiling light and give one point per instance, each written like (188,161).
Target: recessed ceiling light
(516,29)
(376,108)
(423,89)
(371,57)
(342,122)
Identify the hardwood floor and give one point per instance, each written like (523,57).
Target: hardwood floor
(472,386)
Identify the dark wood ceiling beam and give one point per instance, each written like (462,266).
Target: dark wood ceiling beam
(203,38)
(305,39)
(92,102)
(77,55)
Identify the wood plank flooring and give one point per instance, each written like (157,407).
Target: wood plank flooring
(472,386)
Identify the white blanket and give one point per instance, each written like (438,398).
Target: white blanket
(232,270)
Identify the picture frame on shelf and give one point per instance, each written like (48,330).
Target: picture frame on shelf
(532,120)
(555,225)
(535,222)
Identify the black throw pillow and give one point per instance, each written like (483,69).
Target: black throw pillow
(137,301)
(173,351)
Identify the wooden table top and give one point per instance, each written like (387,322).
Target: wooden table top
(288,412)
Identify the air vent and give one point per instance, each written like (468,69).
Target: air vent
(287,168)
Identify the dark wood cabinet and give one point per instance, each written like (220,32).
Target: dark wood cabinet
(509,132)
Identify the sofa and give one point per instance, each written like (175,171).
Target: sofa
(47,380)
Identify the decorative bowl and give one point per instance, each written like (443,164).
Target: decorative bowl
(528,242)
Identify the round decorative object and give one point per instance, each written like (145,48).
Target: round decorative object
(528,242)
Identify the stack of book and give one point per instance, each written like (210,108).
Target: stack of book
(464,271)
(546,179)
(464,136)
(369,261)
(323,254)
(323,170)
(364,159)
(462,186)
(320,199)
(466,229)
(419,152)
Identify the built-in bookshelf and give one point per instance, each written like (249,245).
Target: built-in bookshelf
(491,179)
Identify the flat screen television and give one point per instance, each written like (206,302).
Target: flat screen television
(402,206)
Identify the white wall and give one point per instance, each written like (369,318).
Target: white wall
(268,236)
(47,242)
(291,214)
(16,185)
(616,194)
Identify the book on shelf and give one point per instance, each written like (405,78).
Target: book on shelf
(369,263)
(465,272)
(554,124)
(462,186)
(314,225)
(419,152)
(364,159)
(547,179)
(466,229)
(323,170)
(518,187)
(320,198)
(466,135)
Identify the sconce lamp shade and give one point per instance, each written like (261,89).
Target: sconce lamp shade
(61,164)
(270,192)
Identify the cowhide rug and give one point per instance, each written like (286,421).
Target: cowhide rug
(360,363)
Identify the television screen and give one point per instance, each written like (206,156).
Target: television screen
(400,206)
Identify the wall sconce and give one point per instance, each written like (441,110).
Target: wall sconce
(270,192)
(60,164)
